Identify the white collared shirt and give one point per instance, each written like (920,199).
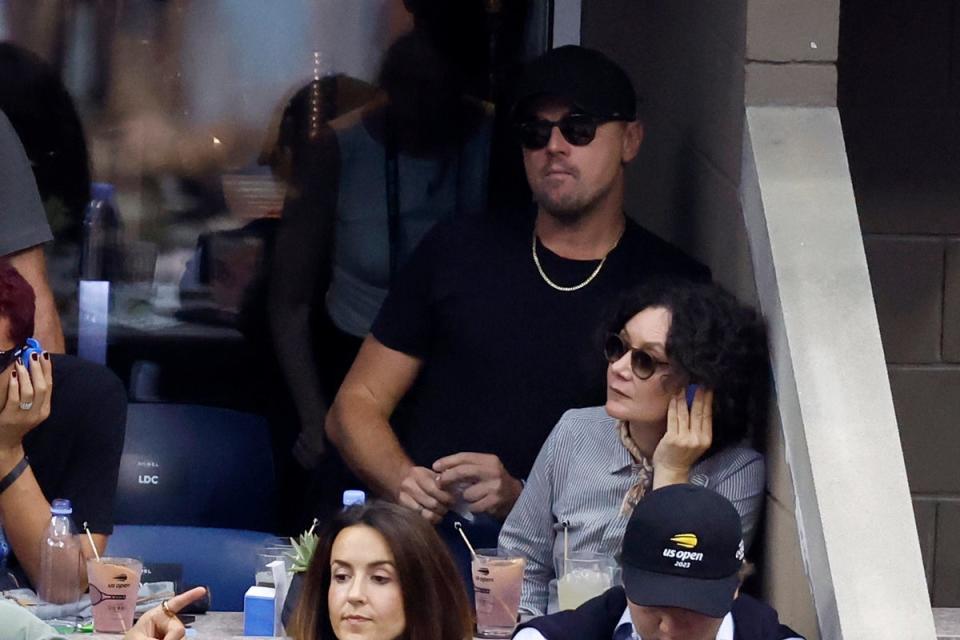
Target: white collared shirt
(725,632)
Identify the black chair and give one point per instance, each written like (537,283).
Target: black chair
(196,489)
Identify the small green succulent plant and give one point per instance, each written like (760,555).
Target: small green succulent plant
(303,549)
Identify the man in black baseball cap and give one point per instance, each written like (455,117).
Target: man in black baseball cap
(682,564)
(486,336)
(592,83)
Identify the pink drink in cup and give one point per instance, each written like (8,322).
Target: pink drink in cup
(114,583)
(496,583)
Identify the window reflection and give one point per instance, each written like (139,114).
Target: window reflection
(271,169)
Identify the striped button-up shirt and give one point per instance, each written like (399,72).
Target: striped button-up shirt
(580,477)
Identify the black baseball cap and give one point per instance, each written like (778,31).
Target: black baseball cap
(683,547)
(594,83)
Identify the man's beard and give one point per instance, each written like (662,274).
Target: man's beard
(568,210)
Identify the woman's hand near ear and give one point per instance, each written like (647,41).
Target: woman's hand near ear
(689,434)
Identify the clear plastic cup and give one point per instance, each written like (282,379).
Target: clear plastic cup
(273,549)
(496,583)
(583,575)
(114,583)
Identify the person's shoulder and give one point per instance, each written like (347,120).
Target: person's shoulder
(737,455)
(488,229)
(729,460)
(77,382)
(754,618)
(77,371)
(670,259)
(585,416)
(594,619)
(583,427)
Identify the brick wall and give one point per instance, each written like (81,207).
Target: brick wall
(899,95)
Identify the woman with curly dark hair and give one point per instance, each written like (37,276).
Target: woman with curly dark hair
(380,572)
(654,430)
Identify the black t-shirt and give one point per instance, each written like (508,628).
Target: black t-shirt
(75,453)
(504,353)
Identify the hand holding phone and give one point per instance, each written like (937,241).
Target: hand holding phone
(32,346)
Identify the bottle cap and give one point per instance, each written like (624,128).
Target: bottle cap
(61,507)
(102,191)
(353,497)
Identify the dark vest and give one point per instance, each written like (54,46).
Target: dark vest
(596,620)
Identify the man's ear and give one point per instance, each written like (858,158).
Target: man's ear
(632,138)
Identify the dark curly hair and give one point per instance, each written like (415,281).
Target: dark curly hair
(718,343)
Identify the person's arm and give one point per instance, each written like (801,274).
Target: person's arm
(301,268)
(24,509)
(161,623)
(529,529)
(18,622)
(92,488)
(33,267)
(358,424)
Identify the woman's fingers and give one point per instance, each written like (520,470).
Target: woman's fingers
(706,423)
(683,416)
(26,386)
(672,426)
(42,384)
(179,601)
(13,388)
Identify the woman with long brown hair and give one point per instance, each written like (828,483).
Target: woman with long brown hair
(381,573)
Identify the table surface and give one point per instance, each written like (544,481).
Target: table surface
(217,625)
(221,625)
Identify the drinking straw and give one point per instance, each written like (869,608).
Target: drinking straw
(566,546)
(293,541)
(90,538)
(459,527)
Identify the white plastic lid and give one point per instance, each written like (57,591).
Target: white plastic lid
(61,507)
(353,497)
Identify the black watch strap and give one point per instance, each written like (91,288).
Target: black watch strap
(15,473)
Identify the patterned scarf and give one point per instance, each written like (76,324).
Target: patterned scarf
(642,469)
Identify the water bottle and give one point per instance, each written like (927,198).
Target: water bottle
(100,252)
(353,497)
(60,557)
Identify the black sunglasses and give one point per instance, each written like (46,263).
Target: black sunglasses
(642,363)
(577,128)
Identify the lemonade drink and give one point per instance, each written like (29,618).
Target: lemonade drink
(580,585)
(583,575)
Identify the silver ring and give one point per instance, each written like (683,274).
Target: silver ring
(26,406)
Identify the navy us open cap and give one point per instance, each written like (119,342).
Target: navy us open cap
(591,81)
(683,547)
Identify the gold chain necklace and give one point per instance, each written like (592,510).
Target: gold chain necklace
(536,261)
